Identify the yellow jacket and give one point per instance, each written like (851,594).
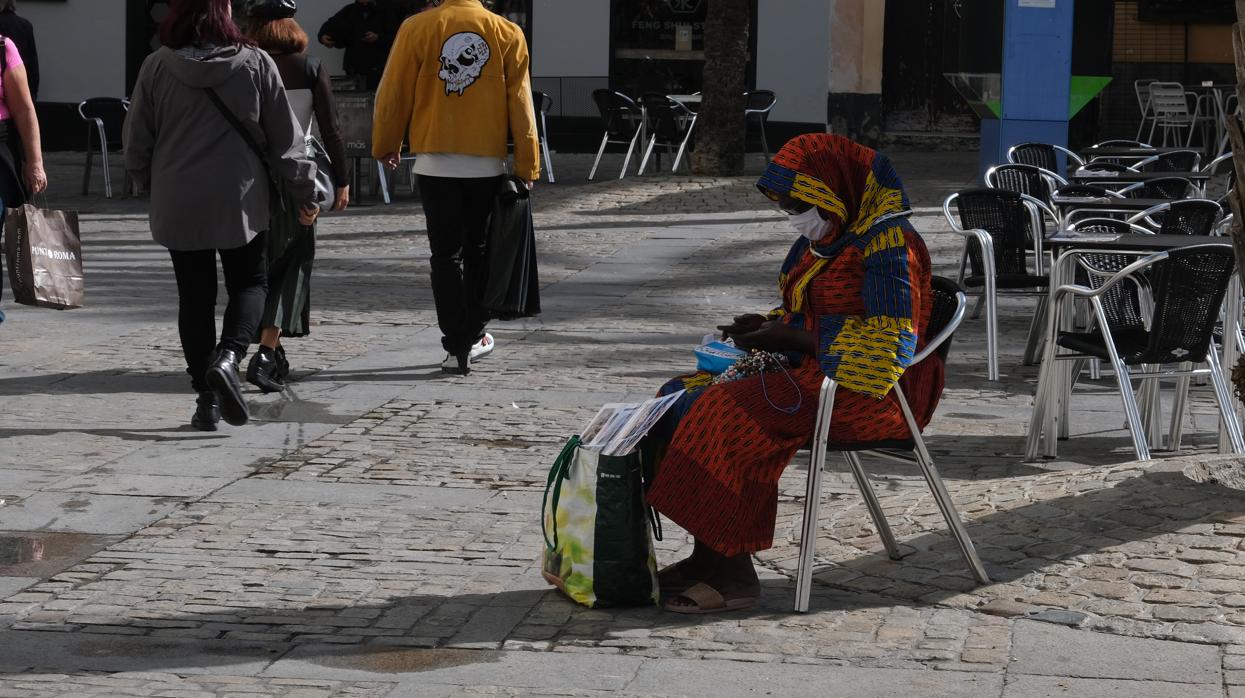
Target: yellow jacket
(457,82)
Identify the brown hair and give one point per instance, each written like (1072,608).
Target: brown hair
(277,35)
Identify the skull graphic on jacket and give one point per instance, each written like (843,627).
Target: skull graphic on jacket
(463,57)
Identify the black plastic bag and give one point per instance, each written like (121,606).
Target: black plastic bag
(513,288)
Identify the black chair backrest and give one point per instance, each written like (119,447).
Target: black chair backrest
(541,103)
(1178,161)
(1161,188)
(1005,216)
(759,100)
(1023,179)
(945,302)
(1192,217)
(1107,166)
(668,119)
(110,110)
(1189,287)
(620,114)
(1037,154)
(1119,143)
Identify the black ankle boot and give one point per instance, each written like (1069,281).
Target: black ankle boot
(222,376)
(283,365)
(264,371)
(207,412)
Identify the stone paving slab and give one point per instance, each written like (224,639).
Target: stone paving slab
(1050,650)
(1052,687)
(184,686)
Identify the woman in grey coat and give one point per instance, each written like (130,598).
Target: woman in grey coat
(206,105)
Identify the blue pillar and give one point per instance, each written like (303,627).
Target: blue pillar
(1037,78)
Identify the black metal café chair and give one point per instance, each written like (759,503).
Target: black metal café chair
(758,104)
(1174,161)
(1043,155)
(1221,174)
(542,103)
(670,125)
(1161,188)
(1186,287)
(1001,229)
(949,304)
(104,117)
(1183,217)
(1030,180)
(623,120)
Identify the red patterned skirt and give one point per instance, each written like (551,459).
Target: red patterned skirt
(719,476)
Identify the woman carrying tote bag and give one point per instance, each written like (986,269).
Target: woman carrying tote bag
(208,133)
(17,112)
(292,245)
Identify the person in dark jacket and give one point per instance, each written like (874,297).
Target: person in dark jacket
(292,245)
(202,107)
(365,29)
(21,32)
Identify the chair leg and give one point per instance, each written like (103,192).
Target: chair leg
(383,181)
(600,151)
(1037,327)
(90,157)
(941,496)
(544,147)
(874,506)
(812,498)
(630,150)
(1136,427)
(648,153)
(764,140)
(992,316)
(1180,402)
(683,146)
(1227,408)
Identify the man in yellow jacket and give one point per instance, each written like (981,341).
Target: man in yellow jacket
(457,89)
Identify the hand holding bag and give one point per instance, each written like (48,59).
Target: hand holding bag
(44,253)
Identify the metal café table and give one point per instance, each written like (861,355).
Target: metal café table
(1065,246)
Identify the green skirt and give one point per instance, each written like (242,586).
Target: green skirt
(291,251)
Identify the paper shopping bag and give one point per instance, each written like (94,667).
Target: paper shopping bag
(44,254)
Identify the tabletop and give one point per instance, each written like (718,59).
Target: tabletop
(1118,152)
(1112,203)
(1083,176)
(1135,242)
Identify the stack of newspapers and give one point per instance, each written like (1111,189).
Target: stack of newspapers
(618,428)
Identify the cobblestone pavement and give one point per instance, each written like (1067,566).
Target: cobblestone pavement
(375,532)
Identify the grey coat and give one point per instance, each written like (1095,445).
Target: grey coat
(208,189)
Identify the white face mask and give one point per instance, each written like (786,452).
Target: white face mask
(810,224)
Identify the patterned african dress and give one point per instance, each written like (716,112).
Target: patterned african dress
(866,295)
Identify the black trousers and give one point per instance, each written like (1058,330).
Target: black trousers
(246,283)
(457,210)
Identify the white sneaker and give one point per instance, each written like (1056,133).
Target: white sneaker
(450,365)
(482,348)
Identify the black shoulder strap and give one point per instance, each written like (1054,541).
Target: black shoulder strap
(241,129)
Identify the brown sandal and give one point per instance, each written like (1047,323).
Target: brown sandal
(708,600)
(672,580)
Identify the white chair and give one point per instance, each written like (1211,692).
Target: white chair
(949,307)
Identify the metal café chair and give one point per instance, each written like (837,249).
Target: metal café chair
(1187,287)
(1184,217)
(1030,180)
(1000,229)
(542,103)
(1170,105)
(623,120)
(1215,169)
(760,103)
(670,124)
(1042,155)
(949,305)
(1161,188)
(105,117)
(1066,198)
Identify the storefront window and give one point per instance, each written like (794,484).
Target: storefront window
(659,45)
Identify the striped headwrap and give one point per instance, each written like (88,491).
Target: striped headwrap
(856,185)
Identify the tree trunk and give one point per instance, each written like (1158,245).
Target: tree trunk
(720,123)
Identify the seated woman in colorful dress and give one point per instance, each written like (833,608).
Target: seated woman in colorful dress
(856,300)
